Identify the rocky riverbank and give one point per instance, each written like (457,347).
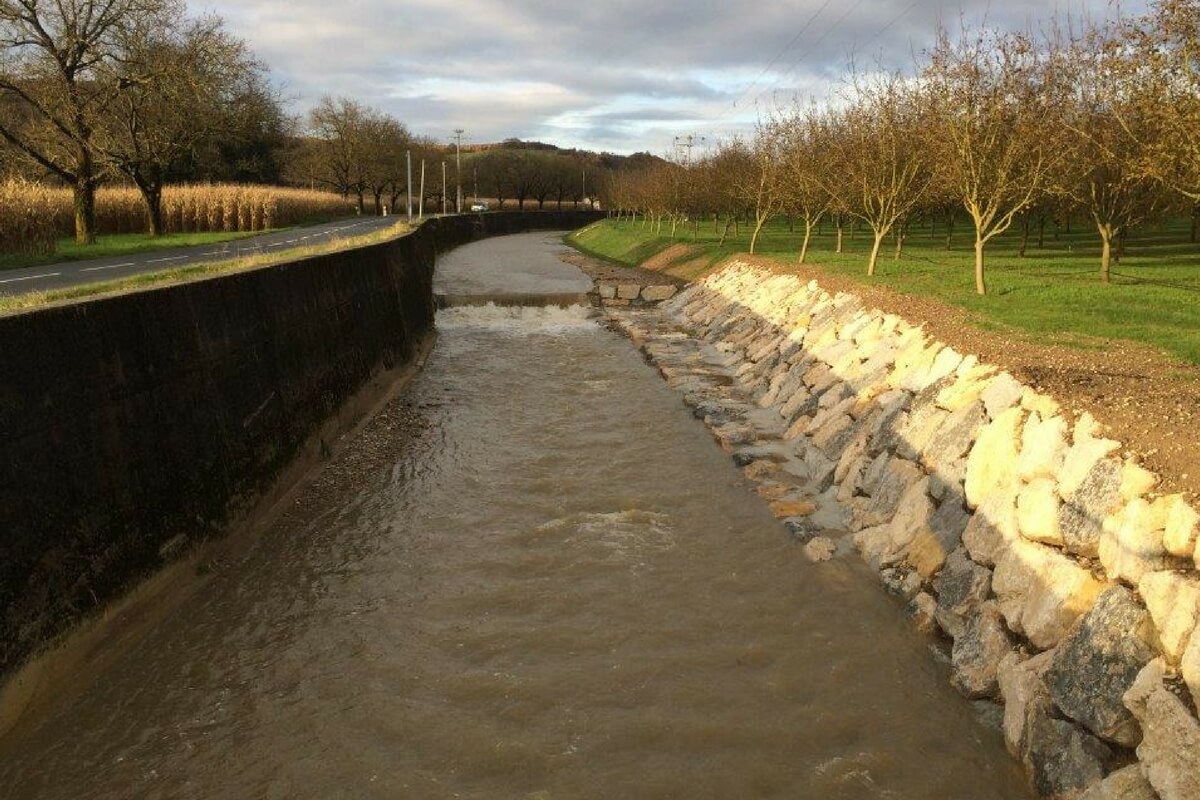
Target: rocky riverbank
(1064,584)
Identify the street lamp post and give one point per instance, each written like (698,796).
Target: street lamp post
(458,134)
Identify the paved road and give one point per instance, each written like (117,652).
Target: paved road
(75,273)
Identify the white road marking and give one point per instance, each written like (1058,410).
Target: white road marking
(110,266)
(32,277)
(161,260)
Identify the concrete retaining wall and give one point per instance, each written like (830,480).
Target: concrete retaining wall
(133,424)
(1068,587)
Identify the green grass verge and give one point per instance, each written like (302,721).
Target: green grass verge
(1053,294)
(119,245)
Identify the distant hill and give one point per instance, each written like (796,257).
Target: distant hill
(611,161)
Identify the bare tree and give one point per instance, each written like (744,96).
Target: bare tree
(178,82)
(341,129)
(1163,68)
(990,125)
(59,62)
(1104,118)
(880,170)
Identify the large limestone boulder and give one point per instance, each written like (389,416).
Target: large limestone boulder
(1136,480)
(655,294)
(932,544)
(896,479)
(1182,528)
(1189,667)
(977,653)
(1131,543)
(1173,599)
(1170,748)
(993,526)
(953,438)
(969,384)
(912,516)
(1042,592)
(924,421)
(1096,663)
(992,465)
(962,587)
(1081,517)
(1038,512)
(1025,696)
(1043,445)
(1001,394)
(1124,784)
(1086,449)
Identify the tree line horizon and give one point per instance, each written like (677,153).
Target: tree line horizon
(142,94)
(1100,119)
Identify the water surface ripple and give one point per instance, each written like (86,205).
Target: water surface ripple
(561,589)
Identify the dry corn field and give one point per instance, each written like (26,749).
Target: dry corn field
(32,215)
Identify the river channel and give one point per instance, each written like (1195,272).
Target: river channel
(537,576)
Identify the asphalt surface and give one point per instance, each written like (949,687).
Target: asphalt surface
(77,273)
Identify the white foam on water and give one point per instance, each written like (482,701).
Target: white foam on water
(517,320)
(624,533)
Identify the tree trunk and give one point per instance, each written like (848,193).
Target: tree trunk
(725,233)
(378,202)
(674,224)
(838,223)
(950,230)
(899,243)
(980,286)
(758,226)
(1025,224)
(879,234)
(1105,253)
(807,236)
(152,197)
(791,224)
(85,208)
(737,227)
(1041,231)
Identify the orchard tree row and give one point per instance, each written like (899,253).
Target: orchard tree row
(998,127)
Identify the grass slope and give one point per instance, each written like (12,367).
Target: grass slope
(1053,294)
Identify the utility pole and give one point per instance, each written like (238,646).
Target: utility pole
(687,143)
(444,192)
(585,197)
(458,134)
(408,181)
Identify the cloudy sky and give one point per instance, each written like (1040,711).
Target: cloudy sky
(618,75)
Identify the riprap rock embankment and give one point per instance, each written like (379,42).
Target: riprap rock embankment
(1067,585)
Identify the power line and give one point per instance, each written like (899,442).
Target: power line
(828,31)
(779,55)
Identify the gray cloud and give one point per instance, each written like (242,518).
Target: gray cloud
(623,75)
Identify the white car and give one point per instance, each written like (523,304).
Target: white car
(479,206)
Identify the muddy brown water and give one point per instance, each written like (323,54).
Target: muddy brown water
(561,588)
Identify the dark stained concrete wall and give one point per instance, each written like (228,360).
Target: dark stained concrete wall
(130,421)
